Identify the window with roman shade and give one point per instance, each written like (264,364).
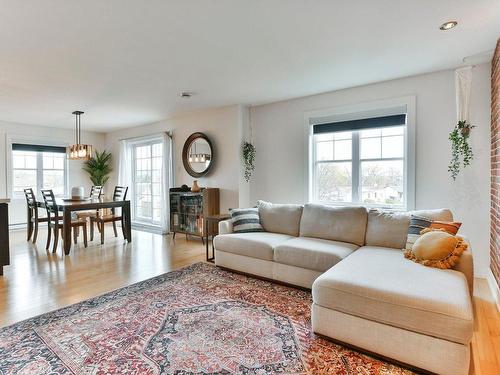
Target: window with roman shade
(38,167)
(360,161)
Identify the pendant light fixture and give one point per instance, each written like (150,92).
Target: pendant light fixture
(79,151)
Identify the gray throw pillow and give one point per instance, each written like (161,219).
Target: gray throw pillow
(246,220)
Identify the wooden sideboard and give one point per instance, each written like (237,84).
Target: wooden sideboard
(4,234)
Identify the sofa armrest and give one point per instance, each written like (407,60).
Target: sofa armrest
(225,227)
(466,265)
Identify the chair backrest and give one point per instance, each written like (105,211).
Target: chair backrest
(95,192)
(120,193)
(30,198)
(50,202)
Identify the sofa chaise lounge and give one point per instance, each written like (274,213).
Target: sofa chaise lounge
(365,293)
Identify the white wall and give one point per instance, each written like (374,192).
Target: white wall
(76,176)
(278,132)
(221,125)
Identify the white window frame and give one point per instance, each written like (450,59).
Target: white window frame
(44,141)
(358,111)
(146,141)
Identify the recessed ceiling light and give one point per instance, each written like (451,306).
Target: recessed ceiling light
(448,25)
(186,94)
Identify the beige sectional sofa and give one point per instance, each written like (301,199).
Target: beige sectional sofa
(365,293)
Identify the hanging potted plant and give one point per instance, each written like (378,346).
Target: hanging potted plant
(248,154)
(99,167)
(461,151)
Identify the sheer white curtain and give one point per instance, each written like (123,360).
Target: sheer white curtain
(167,182)
(125,166)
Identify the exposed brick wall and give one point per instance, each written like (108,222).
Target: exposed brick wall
(495,165)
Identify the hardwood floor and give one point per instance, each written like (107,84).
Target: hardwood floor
(38,281)
(486,340)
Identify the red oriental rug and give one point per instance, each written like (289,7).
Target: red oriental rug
(197,320)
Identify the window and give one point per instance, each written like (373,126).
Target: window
(38,167)
(147,178)
(360,162)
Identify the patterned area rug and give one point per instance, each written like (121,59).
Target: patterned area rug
(198,320)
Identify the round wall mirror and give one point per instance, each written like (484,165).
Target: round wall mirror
(197,155)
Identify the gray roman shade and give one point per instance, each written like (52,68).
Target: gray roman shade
(361,124)
(38,148)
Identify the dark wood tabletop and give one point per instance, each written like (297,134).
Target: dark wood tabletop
(86,204)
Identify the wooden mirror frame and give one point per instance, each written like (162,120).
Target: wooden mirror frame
(185,156)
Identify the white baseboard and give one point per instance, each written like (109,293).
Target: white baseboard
(495,291)
(147,228)
(18,227)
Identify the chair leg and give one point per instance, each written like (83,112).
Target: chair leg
(102,233)
(56,238)
(75,235)
(85,234)
(114,229)
(91,230)
(49,235)
(29,231)
(35,234)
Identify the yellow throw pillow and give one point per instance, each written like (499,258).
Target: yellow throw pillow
(436,248)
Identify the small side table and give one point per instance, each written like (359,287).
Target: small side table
(214,219)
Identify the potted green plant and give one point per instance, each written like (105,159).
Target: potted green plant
(248,155)
(461,151)
(99,167)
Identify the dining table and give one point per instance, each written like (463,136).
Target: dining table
(68,206)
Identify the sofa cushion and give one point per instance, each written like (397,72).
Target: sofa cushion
(258,245)
(379,284)
(441,214)
(312,253)
(387,229)
(280,218)
(345,224)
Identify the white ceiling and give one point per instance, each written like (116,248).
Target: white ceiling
(124,62)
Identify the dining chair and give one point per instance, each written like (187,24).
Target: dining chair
(33,218)
(95,193)
(55,221)
(120,194)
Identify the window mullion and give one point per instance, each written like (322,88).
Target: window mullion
(355,167)
(313,183)
(151,180)
(134,182)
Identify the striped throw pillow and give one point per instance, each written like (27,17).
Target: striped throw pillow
(418,224)
(246,220)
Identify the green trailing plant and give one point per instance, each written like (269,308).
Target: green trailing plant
(461,151)
(248,154)
(99,167)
